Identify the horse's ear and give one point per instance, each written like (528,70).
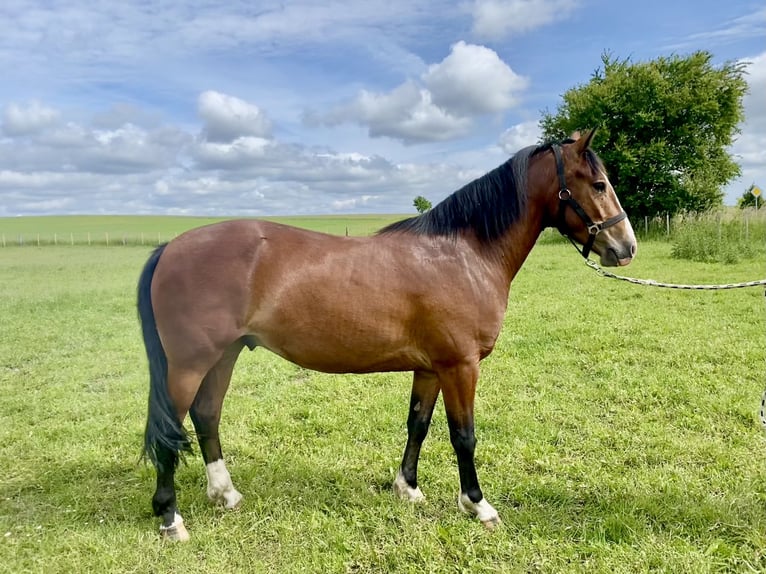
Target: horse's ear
(583,141)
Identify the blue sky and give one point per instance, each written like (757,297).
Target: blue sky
(301,107)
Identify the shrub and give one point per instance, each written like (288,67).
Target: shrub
(713,239)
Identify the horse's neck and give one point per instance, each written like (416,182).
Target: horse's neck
(513,248)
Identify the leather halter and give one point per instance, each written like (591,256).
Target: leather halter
(566,200)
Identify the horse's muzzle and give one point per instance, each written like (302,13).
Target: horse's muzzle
(619,257)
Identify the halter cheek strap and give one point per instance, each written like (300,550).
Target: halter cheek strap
(566,200)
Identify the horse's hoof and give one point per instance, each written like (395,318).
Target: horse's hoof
(405,492)
(482,510)
(491,523)
(176,532)
(232,500)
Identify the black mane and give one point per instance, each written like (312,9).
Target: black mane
(488,206)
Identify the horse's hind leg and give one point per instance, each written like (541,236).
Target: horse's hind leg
(182,387)
(164,499)
(206,416)
(425,391)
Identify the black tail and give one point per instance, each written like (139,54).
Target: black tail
(163,429)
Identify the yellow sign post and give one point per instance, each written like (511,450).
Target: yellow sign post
(756,191)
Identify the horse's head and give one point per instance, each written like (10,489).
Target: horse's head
(588,210)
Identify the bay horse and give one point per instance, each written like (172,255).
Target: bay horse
(427,294)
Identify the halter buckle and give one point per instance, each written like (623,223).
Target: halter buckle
(594,229)
(565,194)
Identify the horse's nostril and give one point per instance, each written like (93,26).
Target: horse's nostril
(633,250)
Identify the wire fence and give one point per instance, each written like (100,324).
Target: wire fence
(86,238)
(749,224)
(111,238)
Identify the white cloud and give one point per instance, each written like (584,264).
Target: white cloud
(755,110)
(242,151)
(72,168)
(749,149)
(406,113)
(70,147)
(25,120)
(145,27)
(473,80)
(227,118)
(19,179)
(76,166)
(442,104)
(750,25)
(519,136)
(121,113)
(494,19)
(343,204)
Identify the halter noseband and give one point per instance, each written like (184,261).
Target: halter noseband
(566,199)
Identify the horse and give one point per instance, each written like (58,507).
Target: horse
(426,294)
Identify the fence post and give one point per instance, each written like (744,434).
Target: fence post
(55,239)
(142,238)
(667,223)
(107,238)
(159,240)
(719,226)
(3,239)
(71,238)
(38,240)
(646,224)
(88,237)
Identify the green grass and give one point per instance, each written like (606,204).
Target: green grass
(132,230)
(617,429)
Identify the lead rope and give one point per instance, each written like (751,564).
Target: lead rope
(652,283)
(763,416)
(763,399)
(763,406)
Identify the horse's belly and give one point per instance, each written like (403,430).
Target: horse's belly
(353,355)
(335,343)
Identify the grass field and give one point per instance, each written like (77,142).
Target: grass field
(116,229)
(617,429)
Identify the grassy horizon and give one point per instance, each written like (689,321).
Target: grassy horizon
(744,230)
(66,228)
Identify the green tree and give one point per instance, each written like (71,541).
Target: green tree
(421,204)
(663,128)
(748,199)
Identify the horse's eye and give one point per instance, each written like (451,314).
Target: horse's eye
(599,186)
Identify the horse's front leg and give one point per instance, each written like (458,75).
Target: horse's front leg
(425,391)
(458,384)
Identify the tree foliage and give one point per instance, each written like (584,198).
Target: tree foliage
(663,128)
(421,204)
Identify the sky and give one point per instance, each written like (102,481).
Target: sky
(241,108)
